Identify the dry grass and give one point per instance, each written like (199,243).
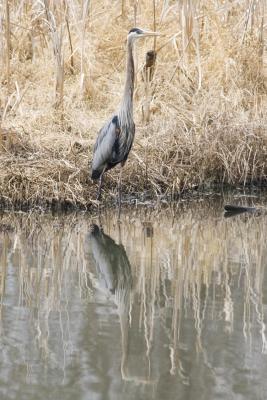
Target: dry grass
(205,107)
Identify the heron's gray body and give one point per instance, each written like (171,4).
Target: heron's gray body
(113,145)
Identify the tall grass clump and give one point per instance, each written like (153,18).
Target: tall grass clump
(200,109)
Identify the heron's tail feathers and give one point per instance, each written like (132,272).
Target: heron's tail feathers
(96,174)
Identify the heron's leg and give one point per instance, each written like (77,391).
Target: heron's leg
(119,192)
(99,216)
(101,179)
(120,185)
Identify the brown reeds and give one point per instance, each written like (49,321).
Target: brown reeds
(206,105)
(8,46)
(57,41)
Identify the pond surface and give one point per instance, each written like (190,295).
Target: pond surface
(169,304)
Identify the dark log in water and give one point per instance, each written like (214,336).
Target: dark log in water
(232,210)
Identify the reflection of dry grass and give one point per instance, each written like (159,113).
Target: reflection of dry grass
(49,258)
(189,262)
(179,263)
(206,101)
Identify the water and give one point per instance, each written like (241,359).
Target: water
(171,303)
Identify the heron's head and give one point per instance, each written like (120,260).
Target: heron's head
(137,33)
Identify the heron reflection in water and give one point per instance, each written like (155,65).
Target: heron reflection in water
(114,278)
(113,266)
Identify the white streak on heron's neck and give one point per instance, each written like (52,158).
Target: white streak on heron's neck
(125,113)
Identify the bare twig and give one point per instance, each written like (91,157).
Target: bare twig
(57,40)
(8,45)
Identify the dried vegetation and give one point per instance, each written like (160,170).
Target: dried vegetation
(200,114)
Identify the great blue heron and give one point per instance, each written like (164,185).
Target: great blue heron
(115,139)
(114,279)
(112,264)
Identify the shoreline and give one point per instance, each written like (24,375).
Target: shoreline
(133,201)
(40,176)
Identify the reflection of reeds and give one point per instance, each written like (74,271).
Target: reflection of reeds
(182,267)
(201,259)
(47,256)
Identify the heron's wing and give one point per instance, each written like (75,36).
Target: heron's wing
(106,145)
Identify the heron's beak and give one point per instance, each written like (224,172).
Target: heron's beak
(150,33)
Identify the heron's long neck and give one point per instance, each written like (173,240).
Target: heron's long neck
(126,110)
